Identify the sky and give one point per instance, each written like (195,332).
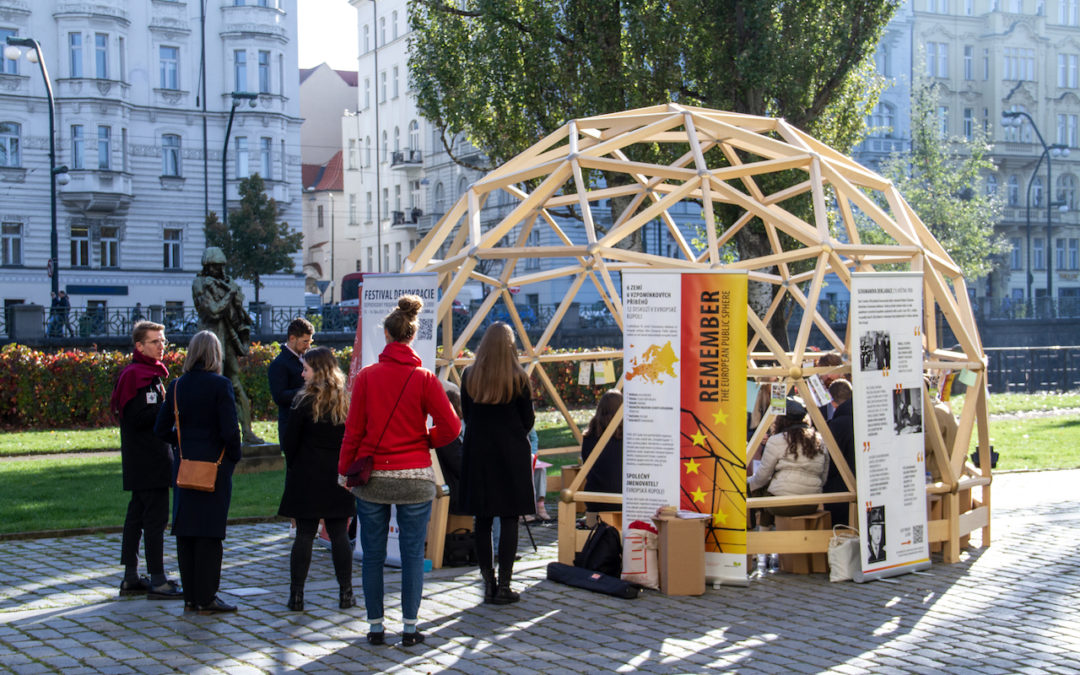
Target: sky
(328,33)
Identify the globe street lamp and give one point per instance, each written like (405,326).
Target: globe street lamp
(57,174)
(1016,118)
(237,96)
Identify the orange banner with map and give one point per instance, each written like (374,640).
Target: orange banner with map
(712,420)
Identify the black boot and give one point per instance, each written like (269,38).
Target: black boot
(345,597)
(503,594)
(296,598)
(488,575)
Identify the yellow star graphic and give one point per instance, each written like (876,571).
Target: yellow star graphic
(692,466)
(719,518)
(698,438)
(698,495)
(719,417)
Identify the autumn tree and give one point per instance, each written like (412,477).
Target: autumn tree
(506,73)
(254,242)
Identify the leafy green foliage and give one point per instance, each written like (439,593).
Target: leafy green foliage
(942,178)
(254,243)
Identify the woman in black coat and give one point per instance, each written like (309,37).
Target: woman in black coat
(208,430)
(606,474)
(312,442)
(496,471)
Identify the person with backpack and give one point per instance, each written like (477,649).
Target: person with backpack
(496,479)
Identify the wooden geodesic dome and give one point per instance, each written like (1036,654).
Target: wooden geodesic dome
(722,161)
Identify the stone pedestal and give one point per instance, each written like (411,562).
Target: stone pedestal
(262,457)
(26,322)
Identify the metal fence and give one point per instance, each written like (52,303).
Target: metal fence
(1032,369)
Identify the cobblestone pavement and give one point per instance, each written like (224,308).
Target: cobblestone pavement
(1010,608)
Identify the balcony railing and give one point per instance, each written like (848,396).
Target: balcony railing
(406,158)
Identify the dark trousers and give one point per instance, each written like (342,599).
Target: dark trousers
(147,514)
(200,568)
(300,559)
(508,540)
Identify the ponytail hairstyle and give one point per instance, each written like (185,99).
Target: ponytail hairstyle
(402,323)
(496,376)
(325,389)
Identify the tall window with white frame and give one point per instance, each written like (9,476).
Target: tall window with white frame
(969,62)
(937,59)
(266,167)
(1038,255)
(242,168)
(1069,12)
(109,249)
(170,155)
(1012,191)
(101,56)
(1037,191)
(9,144)
(11,243)
(1066,190)
(77,149)
(8,66)
(969,123)
(80,246)
(1059,253)
(369,208)
(264,72)
(104,147)
(353,219)
(239,70)
(367,93)
(169,67)
(121,57)
(75,56)
(1074,253)
(414,135)
(1067,70)
(1016,261)
(171,257)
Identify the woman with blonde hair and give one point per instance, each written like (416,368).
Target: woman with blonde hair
(391,401)
(313,434)
(199,419)
(496,473)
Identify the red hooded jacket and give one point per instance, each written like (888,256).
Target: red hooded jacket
(405,437)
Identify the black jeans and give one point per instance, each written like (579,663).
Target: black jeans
(147,515)
(508,540)
(300,559)
(200,568)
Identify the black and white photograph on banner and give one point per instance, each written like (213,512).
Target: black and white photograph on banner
(907,410)
(875,350)
(875,524)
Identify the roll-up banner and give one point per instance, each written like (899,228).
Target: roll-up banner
(378,297)
(684,424)
(890,458)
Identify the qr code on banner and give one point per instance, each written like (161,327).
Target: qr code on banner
(917,534)
(425,329)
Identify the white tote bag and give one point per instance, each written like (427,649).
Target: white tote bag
(843,553)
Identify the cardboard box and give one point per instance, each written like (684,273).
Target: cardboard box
(681,555)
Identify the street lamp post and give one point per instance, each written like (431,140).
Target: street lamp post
(56,174)
(1015,119)
(237,96)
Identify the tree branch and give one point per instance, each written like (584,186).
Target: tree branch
(445,8)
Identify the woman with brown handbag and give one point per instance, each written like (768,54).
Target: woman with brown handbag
(199,420)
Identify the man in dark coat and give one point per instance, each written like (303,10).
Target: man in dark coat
(146,462)
(286,373)
(842,427)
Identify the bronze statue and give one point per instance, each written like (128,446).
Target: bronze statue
(220,304)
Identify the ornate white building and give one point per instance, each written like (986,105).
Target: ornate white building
(141,127)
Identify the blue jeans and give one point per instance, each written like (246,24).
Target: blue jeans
(412,521)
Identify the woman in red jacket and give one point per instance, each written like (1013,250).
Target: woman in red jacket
(391,401)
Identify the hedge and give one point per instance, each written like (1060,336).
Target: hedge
(71,389)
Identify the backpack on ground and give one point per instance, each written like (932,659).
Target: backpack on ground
(602,551)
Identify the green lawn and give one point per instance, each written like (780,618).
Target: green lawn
(20,443)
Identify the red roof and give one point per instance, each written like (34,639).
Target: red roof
(309,174)
(332,177)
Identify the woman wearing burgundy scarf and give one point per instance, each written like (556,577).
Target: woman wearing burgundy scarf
(146,461)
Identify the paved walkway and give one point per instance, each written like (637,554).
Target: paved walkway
(1011,608)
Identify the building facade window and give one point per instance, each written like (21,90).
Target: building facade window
(382,31)
(1038,255)
(11,243)
(394,24)
(173,238)
(239,70)
(1012,190)
(969,123)
(369,207)
(75,58)
(385,202)
(101,56)
(104,147)
(8,66)
(264,72)
(80,246)
(266,167)
(370,260)
(1074,253)
(414,194)
(77,149)
(382,87)
(937,59)
(1066,190)
(385,147)
(9,144)
(943,120)
(397,139)
(397,256)
(169,58)
(1018,64)
(353,218)
(882,120)
(1060,256)
(352,153)
(1069,12)
(121,49)
(969,62)
(1067,70)
(1015,258)
(396,91)
(367,151)
(414,135)
(367,38)
(320,221)
(1037,191)
(243,169)
(109,247)
(397,197)
(367,93)
(991,185)
(170,155)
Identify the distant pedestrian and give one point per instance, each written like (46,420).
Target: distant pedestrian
(286,371)
(496,475)
(146,462)
(312,442)
(63,305)
(199,419)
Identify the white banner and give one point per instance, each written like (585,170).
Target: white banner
(890,462)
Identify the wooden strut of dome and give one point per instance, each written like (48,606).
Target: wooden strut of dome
(841,193)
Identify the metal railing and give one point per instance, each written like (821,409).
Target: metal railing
(1032,369)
